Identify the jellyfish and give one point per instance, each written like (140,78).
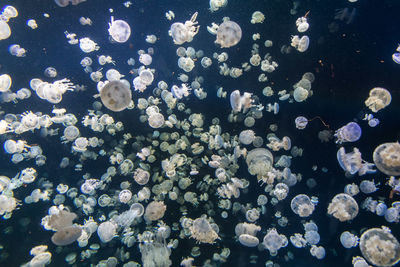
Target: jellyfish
(202,231)
(156,120)
(378,99)
(302,24)
(116,96)
(379,247)
(182,33)
(348,240)
(259,162)
(301,44)
(387,158)
(145,59)
(107,231)
(302,205)
(229,34)
(141,176)
(368,187)
(247,234)
(300,94)
(5,30)
(87,45)
(246,137)
(343,207)
(119,30)
(154,211)
(273,241)
(351,132)
(318,252)
(5,82)
(180,92)
(66,233)
(50,72)
(217,4)
(396,57)
(70,133)
(301,122)
(352,162)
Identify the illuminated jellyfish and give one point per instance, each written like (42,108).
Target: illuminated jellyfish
(186,63)
(126,218)
(392,214)
(300,94)
(5,30)
(273,241)
(206,62)
(301,44)
(343,207)
(302,205)
(87,45)
(182,33)
(119,30)
(180,92)
(396,57)
(70,134)
(5,82)
(146,76)
(246,137)
(247,234)
(368,187)
(387,158)
(7,204)
(252,215)
(217,4)
(155,210)
(301,122)
(257,17)
(156,120)
(380,247)
(107,231)
(80,144)
(312,237)
(318,252)
(259,162)
(50,72)
(378,99)
(302,24)
(116,96)
(240,103)
(30,121)
(229,34)
(352,162)
(203,231)
(351,132)
(66,233)
(348,240)
(141,176)
(145,59)
(17,51)
(280,191)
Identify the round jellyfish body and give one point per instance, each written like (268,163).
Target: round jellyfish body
(301,122)
(348,240)
(379,247)
(180,33)
(246,137)
(302,205)
(106,231)
(387,158)
(273,241)
(343,207)
(378,99)
(5,30)
(229,34)
(116,96)
(235,100)
(119,30)
(351,132)
(312,237)
(67,235)
(5,82)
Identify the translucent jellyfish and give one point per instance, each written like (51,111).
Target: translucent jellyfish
(318,252)
(368,187)
(50,72)
(343,207)
(348,240)
(252,215)
(87,45)
(257,17)
(116,96)
(259,162)
(379,247)
(229,34)
(206,62)
(186,63)
(240,103)
(301,122)
(154,211)
(180,92)
(5,30)
(7,204)
(273,241)
(351,132)
(80,144)
(145,59)
(352,162)
(300,94)
(302,205)
(302,24)
(312,237)
(156,120)
(5,82)
(67,235)
(17,51)
(202,231)
(217,4)
(119,30)
(378,99)
(247,234)
(392,214)
(246,137)
(70,133)
(387,158)
(301,44)
(182,33)
(396,57)
(141,176)
(107,231)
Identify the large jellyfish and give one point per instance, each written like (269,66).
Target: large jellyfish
(343,207)
(182,33)
(229,34)
(116,96)
(387,158)
(378,99)
(119,30)
(351,132)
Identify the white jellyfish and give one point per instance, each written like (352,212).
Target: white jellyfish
(116,96)
(302,24)
(273,241)
(145,59)
(387,158)
(107,231)
(348,239)
(87,45)
(378,99)
(5,30)
(343,207)
(302,205)
(5,82)
(229,34)
(301,44)
(182,33)
(119,30)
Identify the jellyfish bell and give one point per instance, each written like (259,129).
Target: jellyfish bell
(387,158)
(229,34)
(378,99)
(351,132)
(5,82)
(66,236)
(116,96)
(5,30)
(119,30)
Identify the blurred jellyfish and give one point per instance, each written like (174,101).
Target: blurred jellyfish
(116,96)
(351,132)
(273,241)
(346,15)
(378,99)
(203,231)
(352,162)
(50,72)
(301,122)
(229,34)
(387,158)
(301,44)
(154,211)
(368,187)
(348,240)
(107,231)
(119,30)
(318,252)
(246,137)
(247,234)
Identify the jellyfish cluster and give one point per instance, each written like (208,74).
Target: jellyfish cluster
(186,142)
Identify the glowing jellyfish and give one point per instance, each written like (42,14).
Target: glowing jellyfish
(378,99)
(5,82)
(217,4)
(5,30)
(352,162)
(50,72)
(343,207)
(259,162)
(202,231)
(348,240)
(301,122)
(273,241)
(156,120)
(396,57)
(180,92)
(302,205)
(116,96)
(182,33)
(247,234)
(119,30)
(351,132)
(380,247)
(300,94)
(301,44)
(302,24)
(246,137)
(70,133)
(66,232)
(141,176)
(87,45)
(145,59)
(387,158)
(257,17)
(229,34)
(155,210)
(107,231)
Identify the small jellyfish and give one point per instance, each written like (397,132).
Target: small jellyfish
(203,231)
(107,231)
(50,72)
(379,247)
(246,137)
(273,241)
(387,158)
(301,44)
(378,99)
(348,240)
(119,30)
(343,207)
(312,237)
(184,32)
(155,210)
(396,57)
(351,132)
(5,82)
(368,187)
(302,205)
(301,122)
(116,96)
(229,34)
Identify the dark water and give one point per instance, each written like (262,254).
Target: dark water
(346,63)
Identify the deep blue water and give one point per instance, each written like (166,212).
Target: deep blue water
(346,64)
